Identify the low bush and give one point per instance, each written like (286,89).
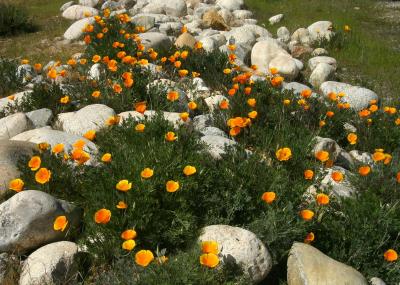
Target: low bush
(167,206)
(14,20)
(11,81)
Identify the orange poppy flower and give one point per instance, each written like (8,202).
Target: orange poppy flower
(121,205)
(128,234)
(209,246)
(232,92)
(117,88)
(144,257)
(58,148)
(198,45)
(34,163)
(268,197)
(390,255)
(106,158)
(124,185)
(364,113)
(173,96)
(330,114)
(177,64)
(43,146)
(183,72)
(247,90)
(352,138)
(398,177)
(251,102)
(140,128)
(252,114)
(306,93)
(227,71)
(388,159)
(129,244)
(273,71)
(189,170)
(308,174)
(322,199)
(378,156)
(337,176)
(321,123)
(170,136)
(80,156)
(238,122)
(277,81)
(172,186)
(147,173)
(43,175)
(184,54)
(64,100)
(224,104)
(373,108)
(60,223)
(102,216)
(52,74)
(113,120)
(37,67)
(309,238)
(364,170)
(16,185)
(192,105)
(322,155)
(90,135)
(141,107)
(283,154)
(96,58)
(184,116)
(210,260)
(234,131)
(128,82)
(332,96)
(307,215)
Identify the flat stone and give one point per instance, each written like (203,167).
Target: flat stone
(10,153)
(308,265)
(91,117)
(54,263)
(358,97)
(13,125)
(40,118)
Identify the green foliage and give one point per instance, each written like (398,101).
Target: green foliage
(11,82)
(356,230)
(14,20)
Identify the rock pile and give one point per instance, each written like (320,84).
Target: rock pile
(26,217)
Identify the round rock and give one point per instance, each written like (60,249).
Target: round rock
(54,263)
(26,220)
(241,247)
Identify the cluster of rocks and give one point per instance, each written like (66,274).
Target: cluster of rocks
(26,218)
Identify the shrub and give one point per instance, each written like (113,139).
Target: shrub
(11,82)
(14,20)
(355,230)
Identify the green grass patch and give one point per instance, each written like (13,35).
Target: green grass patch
(369,57)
